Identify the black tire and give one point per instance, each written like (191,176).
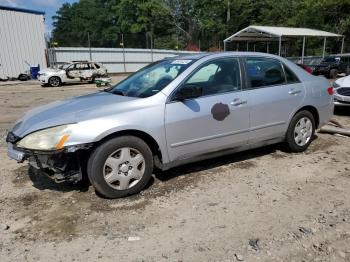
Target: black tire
(333,73)
(290,136)
(97,160)
(23,77)
(54,81)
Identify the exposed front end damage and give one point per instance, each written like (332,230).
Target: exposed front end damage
(66,165)
(60,167)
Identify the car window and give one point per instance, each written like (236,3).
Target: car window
(65,66)
(218,76)
(329,60)
(151,79)
(263,72)
(204,74)
(290,76)
(70,67)
(82,66)
(85,66)
(77,66)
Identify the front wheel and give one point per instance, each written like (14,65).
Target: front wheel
(300,131)
(54,81)
(120,167)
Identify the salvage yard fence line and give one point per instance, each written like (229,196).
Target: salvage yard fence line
(128,60)
(116,60)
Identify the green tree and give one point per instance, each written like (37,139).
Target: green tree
(186,22)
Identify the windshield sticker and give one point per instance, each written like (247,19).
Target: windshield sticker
(181,62)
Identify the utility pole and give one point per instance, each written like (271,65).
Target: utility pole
(151,47)
(89,45)
(123,53)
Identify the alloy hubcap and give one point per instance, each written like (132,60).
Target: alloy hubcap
(303,131)
(124,168)
(54,82)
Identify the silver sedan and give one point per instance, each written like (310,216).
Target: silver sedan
(171,112)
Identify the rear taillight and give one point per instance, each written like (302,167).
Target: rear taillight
(330,90)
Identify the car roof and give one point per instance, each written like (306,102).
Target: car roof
(221,54)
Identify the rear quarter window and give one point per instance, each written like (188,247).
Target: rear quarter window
(291,78)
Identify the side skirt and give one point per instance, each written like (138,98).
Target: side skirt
(214,154)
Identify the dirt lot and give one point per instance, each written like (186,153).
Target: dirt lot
(261,205)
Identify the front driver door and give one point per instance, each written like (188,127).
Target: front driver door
(218,119)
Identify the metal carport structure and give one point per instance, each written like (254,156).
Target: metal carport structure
(273,33)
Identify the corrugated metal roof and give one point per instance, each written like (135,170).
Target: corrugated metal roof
(23,10)
(265,32)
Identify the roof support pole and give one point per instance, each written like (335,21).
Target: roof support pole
(247,46)
(90,55)
(303,52)
(224,45)
(267,47)
(279,46)
(342,45)
(324,46)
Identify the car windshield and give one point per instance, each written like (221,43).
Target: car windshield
(64,66)
(330,59)
(151,79)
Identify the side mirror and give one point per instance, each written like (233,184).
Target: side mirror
(188,92)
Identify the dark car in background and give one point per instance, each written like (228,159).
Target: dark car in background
(331,66)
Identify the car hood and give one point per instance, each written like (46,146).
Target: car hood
(343,82)
(71,110)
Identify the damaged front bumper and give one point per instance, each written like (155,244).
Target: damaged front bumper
(63,165)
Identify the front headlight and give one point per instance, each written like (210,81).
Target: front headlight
(52,138)
(335,85)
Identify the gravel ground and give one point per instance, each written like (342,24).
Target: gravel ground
(259,205)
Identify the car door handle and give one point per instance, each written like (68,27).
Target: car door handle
(237,102)
(294,91)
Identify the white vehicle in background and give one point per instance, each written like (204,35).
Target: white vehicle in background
(342,91)
(71,72)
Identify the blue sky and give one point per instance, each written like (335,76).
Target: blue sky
(48,6)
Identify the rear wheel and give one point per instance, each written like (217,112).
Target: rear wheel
(54,81)
(120,167)
(301,131)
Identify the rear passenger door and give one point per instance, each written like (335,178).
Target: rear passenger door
(276,93)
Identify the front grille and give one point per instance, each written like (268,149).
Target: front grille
(344,91)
